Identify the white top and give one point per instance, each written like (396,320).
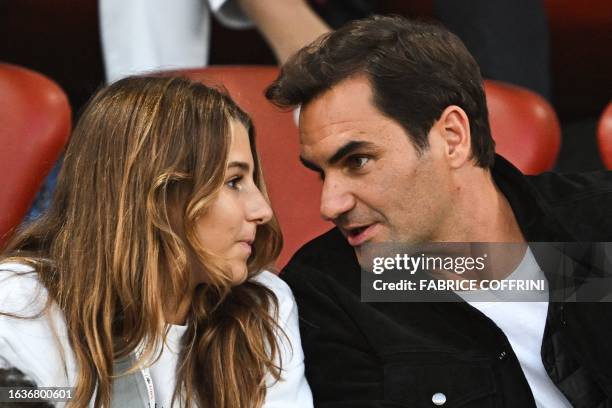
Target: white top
(140,36)
(32,347)
(162,372)
(523,324)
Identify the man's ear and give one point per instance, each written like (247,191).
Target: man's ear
(454,129)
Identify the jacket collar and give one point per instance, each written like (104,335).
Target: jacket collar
(561,258)
(533,213)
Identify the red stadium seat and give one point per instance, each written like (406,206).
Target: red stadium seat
(604,136)
(524,126)
(35,122)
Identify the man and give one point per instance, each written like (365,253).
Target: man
(394,119)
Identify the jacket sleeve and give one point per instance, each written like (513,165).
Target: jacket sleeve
(342,369)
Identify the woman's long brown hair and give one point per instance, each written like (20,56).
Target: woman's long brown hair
(111,258)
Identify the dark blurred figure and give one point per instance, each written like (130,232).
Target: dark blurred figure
(13,378)
(508,38)
(337,12)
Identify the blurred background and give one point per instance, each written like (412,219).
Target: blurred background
(61,39)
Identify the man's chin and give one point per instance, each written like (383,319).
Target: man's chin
(366,252)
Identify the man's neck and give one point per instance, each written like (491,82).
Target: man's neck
(482,213)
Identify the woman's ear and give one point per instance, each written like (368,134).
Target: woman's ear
(454,129)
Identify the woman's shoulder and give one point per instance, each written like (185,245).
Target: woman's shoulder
(293,390)
(287,308)
(32,338)
(275,284)
(15,267)
(20,289)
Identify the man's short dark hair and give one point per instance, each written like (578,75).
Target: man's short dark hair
(416,70)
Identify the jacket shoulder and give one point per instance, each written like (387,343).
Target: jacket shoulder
(328,255)
(583,201)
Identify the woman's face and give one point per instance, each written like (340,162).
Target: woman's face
(228,228)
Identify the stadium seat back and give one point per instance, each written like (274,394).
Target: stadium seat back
(35,122)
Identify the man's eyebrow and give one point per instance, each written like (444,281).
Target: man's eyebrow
(310,165)
(241,165)
(343,151)
(347,149)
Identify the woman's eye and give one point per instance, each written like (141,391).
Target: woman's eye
(234,183)
(357,162)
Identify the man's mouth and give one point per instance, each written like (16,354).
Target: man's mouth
(357,235)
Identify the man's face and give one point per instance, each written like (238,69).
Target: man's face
(376,188)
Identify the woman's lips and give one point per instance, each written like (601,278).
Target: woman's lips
(246,246)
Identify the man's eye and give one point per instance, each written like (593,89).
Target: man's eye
(357,162)
(234,182)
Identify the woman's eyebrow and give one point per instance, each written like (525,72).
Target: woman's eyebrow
(242,165)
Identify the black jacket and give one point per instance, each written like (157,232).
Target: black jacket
(401,354)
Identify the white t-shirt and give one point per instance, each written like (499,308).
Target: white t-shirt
(162,371)
(140,36)
(40,347)
(523,324)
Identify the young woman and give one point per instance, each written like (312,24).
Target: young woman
(145,282)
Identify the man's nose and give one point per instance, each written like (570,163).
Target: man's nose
(258,210)
(336,199)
